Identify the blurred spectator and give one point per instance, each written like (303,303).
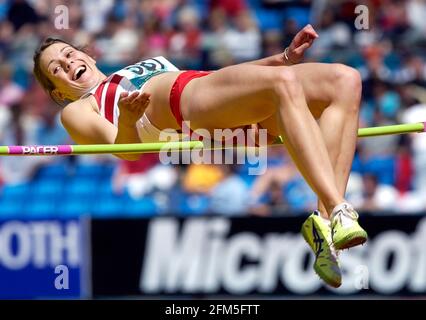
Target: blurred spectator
(244,41)
(334,34)
(142,177)
(411,115)
(272,202)
(49,130)
(156,41)
(394,20)
(19,129)
(118,42)
(403,168)
(272,43)
(6,35)
(230,195)
(185,42)
(281,186)
(201,178)
(10,92)
(21,52)
(290,29)
(378,154)
(276,176)
(388,101)
(95,13)
(232,8)
(212,41)
(376,196)
(415,11)
(164,9)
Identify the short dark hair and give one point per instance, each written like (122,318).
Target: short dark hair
(41,77)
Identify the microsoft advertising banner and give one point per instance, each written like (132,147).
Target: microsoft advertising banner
(211,256)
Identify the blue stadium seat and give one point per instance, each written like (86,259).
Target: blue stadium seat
(73,208)
(90,171)
(46,188)
(57,170)
(202,7)
(194,205)
(105,207)
(18,192)
(357,164)
(300,14)
(254,4)
(382,167)
(82,187)
(41,208)
(105,188)
(107,170)
(298,194)
(269,19)
(141,207)
(11,208)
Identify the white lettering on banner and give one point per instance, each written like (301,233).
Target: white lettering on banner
(174,264)
(272,258)
(363,277)
(64,245)
(350,262)
(417,280)
(19,258)
(40,243)
(390,280)
(204,240)
(212,262)
(294,276)
(200,256)
(238,280)
(40,235)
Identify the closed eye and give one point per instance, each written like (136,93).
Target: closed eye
(69,54)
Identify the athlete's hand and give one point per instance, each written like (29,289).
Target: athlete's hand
(132,106)
(301,42)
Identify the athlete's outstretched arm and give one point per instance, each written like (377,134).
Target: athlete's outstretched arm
(132,107)
(85,126)
(294,53)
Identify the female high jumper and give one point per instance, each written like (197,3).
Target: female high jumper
(313,106)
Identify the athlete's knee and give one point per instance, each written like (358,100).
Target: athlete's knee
(347,78)
(348,88)
(286,83)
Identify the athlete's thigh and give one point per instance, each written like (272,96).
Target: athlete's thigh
(230,97)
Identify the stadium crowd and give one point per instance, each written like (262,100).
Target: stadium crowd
(388,173)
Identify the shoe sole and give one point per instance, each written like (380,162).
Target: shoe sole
(351,240)
(331,282)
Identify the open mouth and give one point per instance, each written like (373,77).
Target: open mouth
(79,72)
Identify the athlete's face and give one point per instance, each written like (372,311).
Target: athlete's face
(72,72)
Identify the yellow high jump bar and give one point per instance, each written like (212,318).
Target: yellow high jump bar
(173,146)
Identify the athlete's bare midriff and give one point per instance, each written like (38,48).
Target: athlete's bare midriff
(158,111)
